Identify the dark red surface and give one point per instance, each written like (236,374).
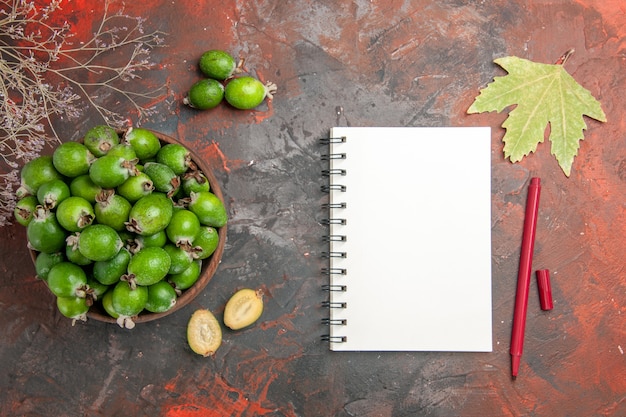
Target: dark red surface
(391,63)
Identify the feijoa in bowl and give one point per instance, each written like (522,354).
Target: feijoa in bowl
(192,254)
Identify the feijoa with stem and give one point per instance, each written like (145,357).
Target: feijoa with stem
(128,302)
(247,92)
(195,180)
(53,192)
(135,187)
(148,266)
(24,209)
(183,228)
(112,209)
(163,177)
(205,242)
(44,233)
(205,94)
(161,297)
(180,258)
(75,308)
(109,171)
(145,143)
(177,157)
(72,253)
(150,214)
(100,139)
(66,279)
(75,213)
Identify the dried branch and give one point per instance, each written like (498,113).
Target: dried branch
(46,79)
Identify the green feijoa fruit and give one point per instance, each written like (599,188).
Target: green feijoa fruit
(24,209)
(128,301)
(72,159)
(209,208)
(99,242)
(75,213)
(125,151)
(100,139)
(107,304)
(159,239)
(150,214)
(163,177)
(180,258)
(183,227)
(187,278)
(110,171)
(135,187)
(84,187)
(177,157)
(112,209)
(45,261)
(148,266)
(205,94)
(66,279)
(195,181)
(51,193)
(205,242)
(246,92)
(35,173)
(217,64)
(110,271)
(95,289)
(145,143)
(73,254)
(44,233)
(161,297)
(75,308)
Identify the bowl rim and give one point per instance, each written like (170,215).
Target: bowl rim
(209,268)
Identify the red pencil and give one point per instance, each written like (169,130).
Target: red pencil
(523,277)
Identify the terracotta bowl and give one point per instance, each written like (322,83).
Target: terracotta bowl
(209,265)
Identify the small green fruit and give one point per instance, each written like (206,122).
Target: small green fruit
(247,92)
(100,139)
(205,94)
(217,64)
(99,242)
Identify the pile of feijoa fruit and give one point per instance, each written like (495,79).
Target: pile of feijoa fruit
(122,219)
(222,81)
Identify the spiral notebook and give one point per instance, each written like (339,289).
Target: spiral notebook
(409,219)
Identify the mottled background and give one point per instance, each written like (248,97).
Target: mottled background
(360,62)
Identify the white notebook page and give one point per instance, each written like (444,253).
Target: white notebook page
(418,239)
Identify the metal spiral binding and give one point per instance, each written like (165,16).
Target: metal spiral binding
(334,271)
(331,220)
(339,288)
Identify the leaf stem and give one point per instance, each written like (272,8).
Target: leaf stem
(563,58)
